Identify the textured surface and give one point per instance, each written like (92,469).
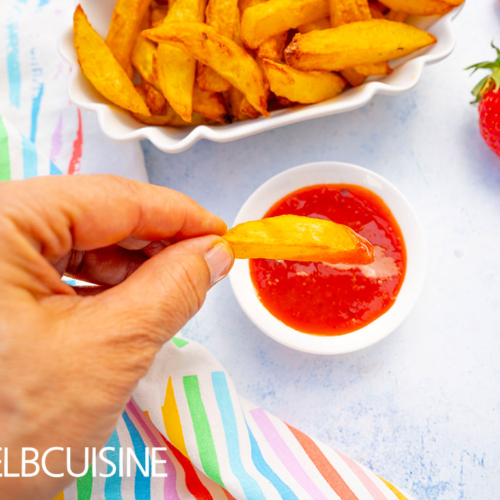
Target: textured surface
(422,406)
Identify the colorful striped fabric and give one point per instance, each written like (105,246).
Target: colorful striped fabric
(51,135)
(219,446)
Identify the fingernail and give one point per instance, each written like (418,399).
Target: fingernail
(219,260)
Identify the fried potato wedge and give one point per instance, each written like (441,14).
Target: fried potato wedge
(210,105)
(177,68)
(273,47)
(100,66)
(349,11)
(223,55)
(291,237)
(124,27)
(157,16)
(419,7)
(221,15)
(144,60)
(262,21)
(302,86)
(366,42)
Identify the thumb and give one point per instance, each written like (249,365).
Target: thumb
(168,289)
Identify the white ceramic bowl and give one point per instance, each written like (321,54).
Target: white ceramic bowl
(120,126)
(333,173)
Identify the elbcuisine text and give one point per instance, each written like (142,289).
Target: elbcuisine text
(125,462)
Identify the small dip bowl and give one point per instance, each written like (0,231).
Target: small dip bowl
(311,174)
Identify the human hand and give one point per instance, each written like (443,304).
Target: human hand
(69,358)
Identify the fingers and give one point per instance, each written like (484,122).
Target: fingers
(168,289)
(106,266)
(89,212)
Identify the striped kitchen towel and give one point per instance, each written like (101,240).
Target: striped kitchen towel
(49,135)
(215,445)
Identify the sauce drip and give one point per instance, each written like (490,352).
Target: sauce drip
(325,299)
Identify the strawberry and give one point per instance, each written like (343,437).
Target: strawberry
(487,95)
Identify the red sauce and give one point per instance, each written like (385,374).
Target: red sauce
(326,299)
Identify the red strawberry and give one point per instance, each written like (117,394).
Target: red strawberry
(487,95)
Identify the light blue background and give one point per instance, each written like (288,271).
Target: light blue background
(420,407)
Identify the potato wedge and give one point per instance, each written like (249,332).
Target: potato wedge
(144,60)
(100,66)
(152,97)
(419,7)
(210,105)
(125,25)
(260,22)
(177,68)
(302,86)
(273,47)
(223,55)
(354,44)
(349,11)
(221,15)
(291,237)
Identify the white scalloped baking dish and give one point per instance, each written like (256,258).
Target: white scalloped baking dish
(120,126)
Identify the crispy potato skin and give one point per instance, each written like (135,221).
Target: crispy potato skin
(210,105)
(125,25)
(262,21)
(420,7)
(223,55)
(291,237)
(301,86)
(273,47)
(100,66)
(366,42)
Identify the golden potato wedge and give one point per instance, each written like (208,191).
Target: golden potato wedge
(262,21)
(223,55)
(100,66)
(320,24)
(152,97)
(273,47)
(419,7)
(125,25)
(221,15)
(247,110)
(144,60)
(177,68)
(291,237)
(210,105)
(349,11)
(366,42)
(302,86)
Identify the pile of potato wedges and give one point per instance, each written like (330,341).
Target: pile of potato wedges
(192,62)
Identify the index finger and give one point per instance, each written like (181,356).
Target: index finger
(89,212)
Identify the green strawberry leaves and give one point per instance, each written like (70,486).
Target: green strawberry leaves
(489,82)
